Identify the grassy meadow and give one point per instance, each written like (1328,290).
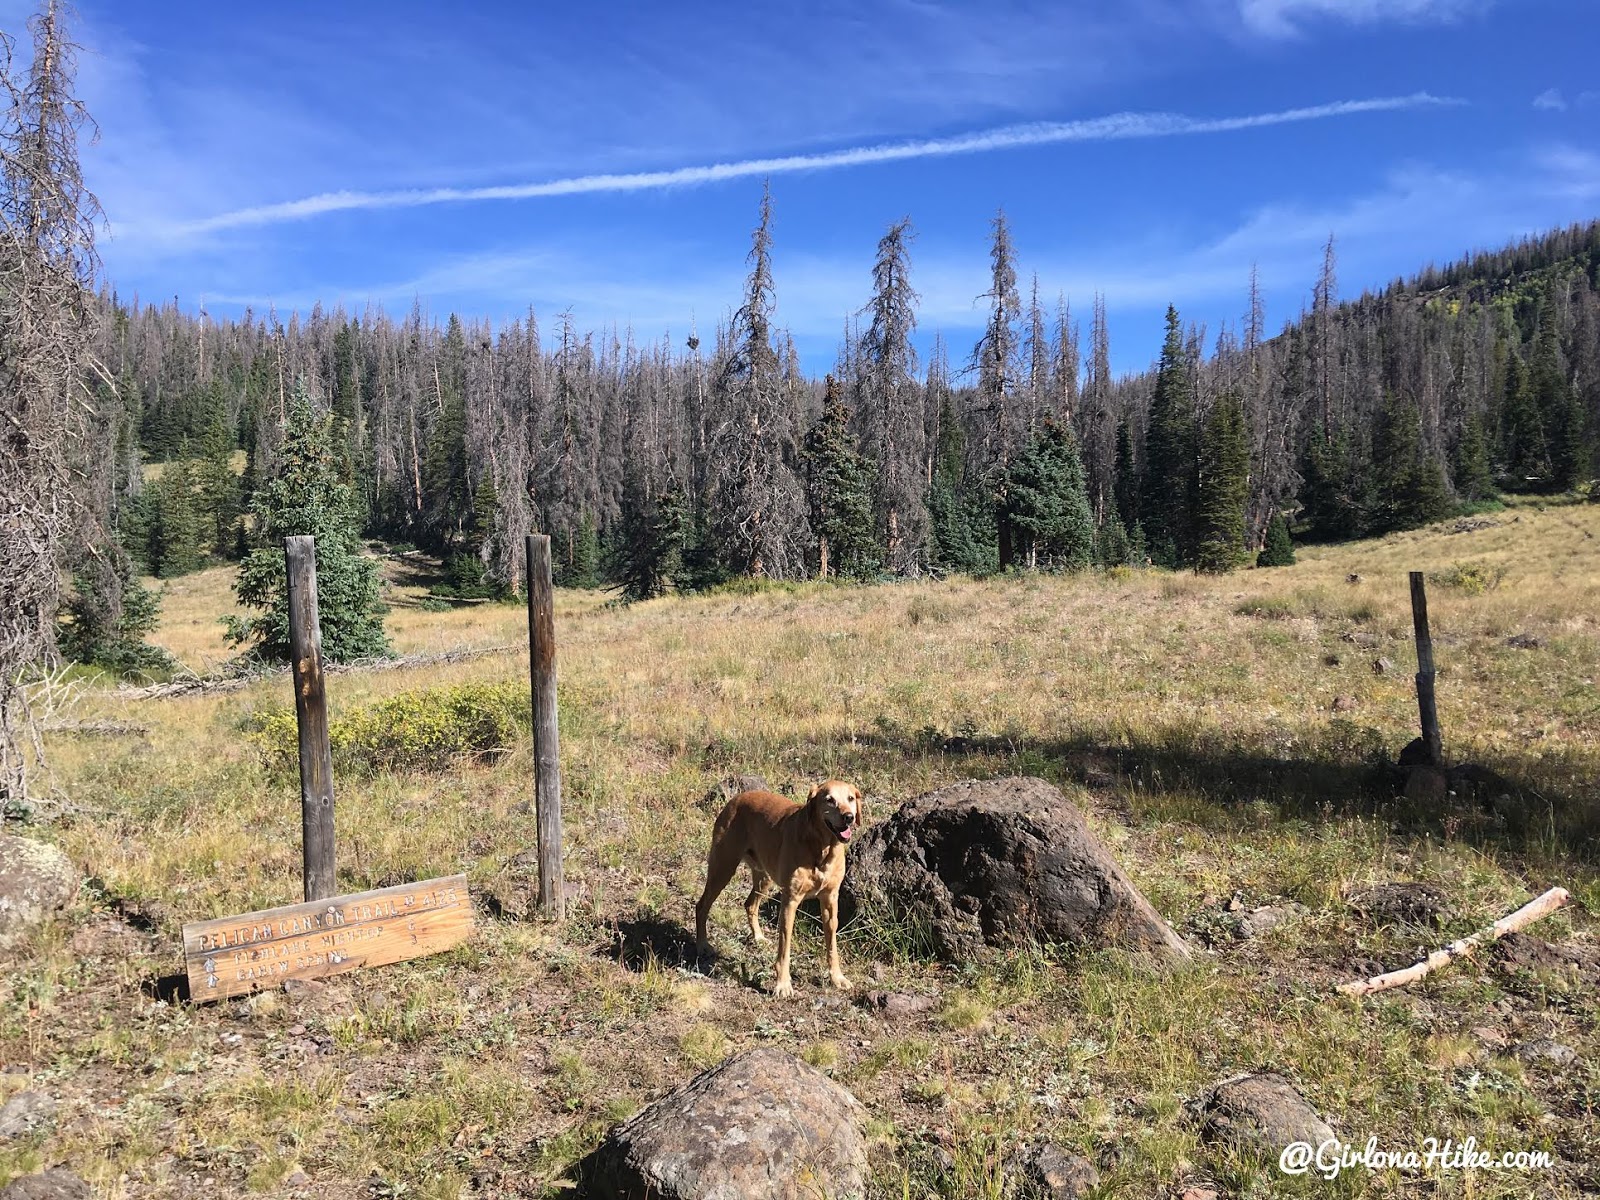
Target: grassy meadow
(1226,737)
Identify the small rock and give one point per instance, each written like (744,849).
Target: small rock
(298,1179)
(1401,904)
(1050,1173)
(1260,920)
(52,1185)
(1525,641)
(900,1004)
(1199,1192)
(1489,1035)
(303,987)
(1343,703)
(26,1112)
(762,1126)
(1547,1052)
(1382,666)
(36,881)
(1262,1111)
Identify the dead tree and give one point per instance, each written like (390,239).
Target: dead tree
(47,267)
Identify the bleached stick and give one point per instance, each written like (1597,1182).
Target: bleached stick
(1523,917)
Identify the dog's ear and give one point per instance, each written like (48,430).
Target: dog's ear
(861,805)
(811,796)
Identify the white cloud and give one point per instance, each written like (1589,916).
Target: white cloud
(1284,18)
(1117,127)
(1550,99)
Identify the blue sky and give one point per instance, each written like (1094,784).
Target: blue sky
(487,157)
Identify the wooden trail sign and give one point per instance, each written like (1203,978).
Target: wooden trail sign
(231,956)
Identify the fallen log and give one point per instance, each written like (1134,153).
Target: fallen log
(193,684)
(1526,915)
(96,728)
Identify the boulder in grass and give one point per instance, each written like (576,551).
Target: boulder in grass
(1047,1172)
(51,1185)
(1002,863)
(1259,1112)
(36,880)
(762,1126)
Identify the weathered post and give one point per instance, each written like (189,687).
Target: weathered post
(311,713)
(546,744)
(1431,741)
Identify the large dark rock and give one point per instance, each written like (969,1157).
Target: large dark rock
(1261,1112)
(1047,1172)
(1401,904)
(52,1185)
(1001,862)
(36,880)
(762,1125)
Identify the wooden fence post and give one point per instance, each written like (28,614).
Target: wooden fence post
(1431,740)
(311,713)
(546,743)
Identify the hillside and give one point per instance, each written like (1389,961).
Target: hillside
(1224,735)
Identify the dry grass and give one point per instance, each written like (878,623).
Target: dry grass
(1198,711)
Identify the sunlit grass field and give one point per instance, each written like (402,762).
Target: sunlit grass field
(1226,737)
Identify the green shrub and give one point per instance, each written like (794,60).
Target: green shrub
(414,731)
(1472,578)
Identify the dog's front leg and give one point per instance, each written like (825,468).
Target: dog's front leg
(780,984)
(829,903)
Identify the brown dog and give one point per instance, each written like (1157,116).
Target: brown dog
(798,848)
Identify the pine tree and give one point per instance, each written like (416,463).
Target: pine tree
(650,551)
(1337,490)
(1411,485)
(580,566)
(1125,490)
(1471,471)
(1046,503)
(1222,488)
(446,473)
(1112,548)
(308,496)
(1169,473)
(217,487)
(961,534)
(839,492)
(891,415)
(175,525)
(107,620)
(704,566)
(1522,435)
(1279,550)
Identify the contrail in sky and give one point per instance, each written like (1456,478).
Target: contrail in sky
(1117,127)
